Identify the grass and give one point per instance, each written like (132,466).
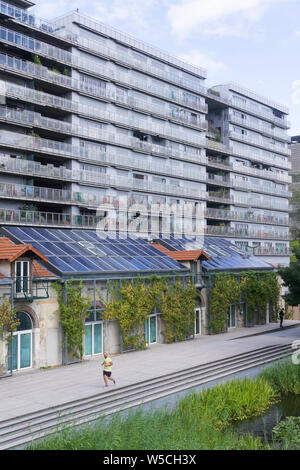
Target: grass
(200,421)
(283,377)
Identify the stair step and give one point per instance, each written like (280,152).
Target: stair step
(28,431)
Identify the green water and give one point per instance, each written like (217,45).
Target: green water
(262,426)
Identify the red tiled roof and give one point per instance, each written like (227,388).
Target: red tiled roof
(39,271)
(185,255)
(11,252)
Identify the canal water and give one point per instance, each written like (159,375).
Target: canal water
(263,425)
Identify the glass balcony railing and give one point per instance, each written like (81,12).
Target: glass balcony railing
(272,131)
(269,174)
(247,216)
(246,233)
(177,114)
(264,203)
(11,139)
(260,188)
(43,73)
(44,25)
(15,217)
(262,251)
(260,142)
(260,156)
(128,182)
(129,121)
(269,116)
(60,55)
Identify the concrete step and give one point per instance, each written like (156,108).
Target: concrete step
(16,433)
(180,373)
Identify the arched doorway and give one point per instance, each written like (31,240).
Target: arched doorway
(22,343)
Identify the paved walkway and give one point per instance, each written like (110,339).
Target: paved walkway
(33,390)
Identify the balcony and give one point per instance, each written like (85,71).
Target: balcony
(245,233)
(272,132)
(146,126)
(247,216)
(27,288)
(39,145)
(260,156)
(259,142)
(60,55)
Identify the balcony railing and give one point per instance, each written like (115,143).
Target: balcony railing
(260,142)
(129,121)
(246,216)
(245,233)
(28,288)
(54,53)
(39,23)
(260,156)
(272,131)
(22,141)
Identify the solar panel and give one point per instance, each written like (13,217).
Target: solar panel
(85,251)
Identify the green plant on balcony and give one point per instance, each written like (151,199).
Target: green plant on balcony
(33,134)
(213,92)
(36,60)
(52,69)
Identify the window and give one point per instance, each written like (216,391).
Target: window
(22,277)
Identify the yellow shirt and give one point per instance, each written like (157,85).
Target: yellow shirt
(107,366)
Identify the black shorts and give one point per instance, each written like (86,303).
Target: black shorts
(105,372)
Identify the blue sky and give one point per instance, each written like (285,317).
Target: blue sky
(252,42)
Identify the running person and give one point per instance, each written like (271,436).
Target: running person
(107,363)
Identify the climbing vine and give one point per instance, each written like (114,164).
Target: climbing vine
(133,301)
(177,304)
(72,309)
(256,289)
(226,290)
(8,319)
(130,304)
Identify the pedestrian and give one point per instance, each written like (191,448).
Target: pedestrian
(107,363)
(281,315)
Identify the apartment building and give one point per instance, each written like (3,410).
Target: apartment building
(295,159)
(92,117)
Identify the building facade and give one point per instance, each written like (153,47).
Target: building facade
(91,117)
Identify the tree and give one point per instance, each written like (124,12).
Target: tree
(8,318)
(295,216)
(291,279)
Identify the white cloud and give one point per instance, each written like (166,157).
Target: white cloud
(219,17)
(197,57)
(296,92)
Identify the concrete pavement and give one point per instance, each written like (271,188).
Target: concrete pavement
(34,390)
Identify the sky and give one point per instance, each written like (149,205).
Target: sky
(255,43)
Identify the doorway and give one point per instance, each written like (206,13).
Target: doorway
(21,357)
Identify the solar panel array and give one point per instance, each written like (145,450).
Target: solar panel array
(83,251)
(223,254)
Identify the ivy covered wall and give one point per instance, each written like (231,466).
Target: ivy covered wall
(256,289)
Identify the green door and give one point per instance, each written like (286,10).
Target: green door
(151,329)
(25,350)
(93,339)
(97,338)
(88,340)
